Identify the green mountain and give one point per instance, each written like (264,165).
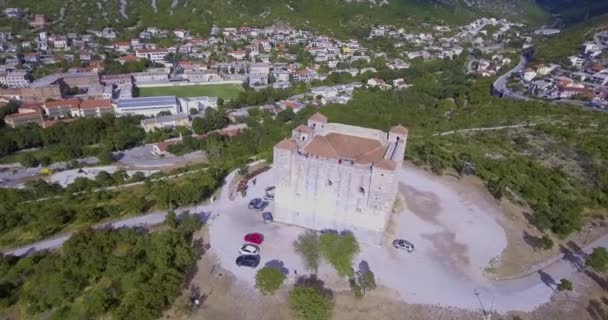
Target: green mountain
(338,17)
(573,11)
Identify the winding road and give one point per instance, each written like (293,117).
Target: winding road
(500,84)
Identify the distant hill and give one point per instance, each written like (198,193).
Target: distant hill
(557,48)
(338,17)
(574,11)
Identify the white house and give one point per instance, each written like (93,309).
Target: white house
(529,75)
(154,55)
(576,61)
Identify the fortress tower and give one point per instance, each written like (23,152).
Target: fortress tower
(336,176)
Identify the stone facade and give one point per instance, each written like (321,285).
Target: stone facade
(339,177)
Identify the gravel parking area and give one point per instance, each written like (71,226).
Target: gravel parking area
(453,226)
(64,178)
(142,157)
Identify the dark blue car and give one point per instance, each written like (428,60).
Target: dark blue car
(254,203)
(267,217)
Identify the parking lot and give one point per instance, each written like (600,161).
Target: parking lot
(142,157)
(453,226)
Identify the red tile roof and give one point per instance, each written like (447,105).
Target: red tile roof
(98,103)
(72,103)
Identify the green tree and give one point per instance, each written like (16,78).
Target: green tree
(105,157)
(28,160)
(339,250)
(546,242)
(564,285)
(268,280)
(307,303)
(198,125)
(598,259)
(308,246)
(355,288)
(171,219)
(367,281)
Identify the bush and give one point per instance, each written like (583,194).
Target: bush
(598,259)
(105,157)
(546,242)
(268,280)
(564,285)
(307,303)
(28,160)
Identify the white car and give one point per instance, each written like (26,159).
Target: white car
(403,245)
(249,249)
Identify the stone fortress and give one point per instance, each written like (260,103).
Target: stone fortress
(338,177)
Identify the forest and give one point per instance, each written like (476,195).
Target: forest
(77,139)
(125,274)
(84,203)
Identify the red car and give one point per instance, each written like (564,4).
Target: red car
(256,238)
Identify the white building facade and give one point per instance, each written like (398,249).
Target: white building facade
(338,177)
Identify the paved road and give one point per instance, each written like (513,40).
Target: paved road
(147,220)
(138,158)
(123,9)
(501,83)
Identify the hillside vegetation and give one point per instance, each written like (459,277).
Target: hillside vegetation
(336,17)
(570,40)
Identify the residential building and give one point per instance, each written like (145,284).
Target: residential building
(39,21)
(21,119)
(340,177)
(154,55)
(37,94)
(16,79)
(95,108)
(60,108)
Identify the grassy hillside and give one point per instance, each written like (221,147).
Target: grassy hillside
(330,16)
(569,41)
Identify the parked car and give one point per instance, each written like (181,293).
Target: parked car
(270,188)
(256,238)
(269,197)
(248,260)
(249,249)
(267,217)
(254,203)
(260,206)
(403,245)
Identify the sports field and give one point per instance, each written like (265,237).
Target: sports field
(224,91)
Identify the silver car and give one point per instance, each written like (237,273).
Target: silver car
(403,245)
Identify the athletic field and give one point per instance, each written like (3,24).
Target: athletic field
(224,91)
